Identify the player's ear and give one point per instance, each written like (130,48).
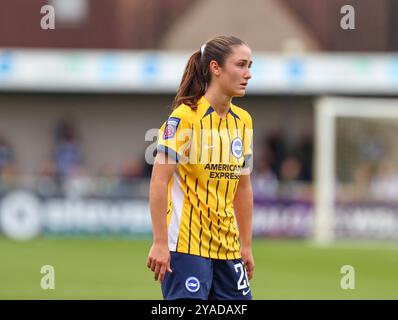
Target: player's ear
(214,68)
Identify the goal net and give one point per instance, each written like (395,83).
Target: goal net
(356,173)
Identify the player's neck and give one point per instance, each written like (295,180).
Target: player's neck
(219,102)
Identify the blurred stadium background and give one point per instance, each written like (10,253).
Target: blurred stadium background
(76,104)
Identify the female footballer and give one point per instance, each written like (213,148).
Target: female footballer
(200,192)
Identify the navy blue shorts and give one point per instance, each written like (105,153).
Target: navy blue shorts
(196,277)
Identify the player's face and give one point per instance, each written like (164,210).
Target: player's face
(235,73)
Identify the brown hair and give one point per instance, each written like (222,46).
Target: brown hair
(197,75)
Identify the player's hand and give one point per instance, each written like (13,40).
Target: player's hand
(248,260)
(159,260)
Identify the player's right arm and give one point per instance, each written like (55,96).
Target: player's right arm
(173,139)
(159,256)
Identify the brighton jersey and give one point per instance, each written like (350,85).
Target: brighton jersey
(210,152)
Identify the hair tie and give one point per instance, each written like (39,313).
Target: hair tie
(202,48)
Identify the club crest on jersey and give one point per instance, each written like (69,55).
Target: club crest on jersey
(170,128)
(237,147)
(192,284)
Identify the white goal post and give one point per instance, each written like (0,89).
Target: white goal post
(327,111)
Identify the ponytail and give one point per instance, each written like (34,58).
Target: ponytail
(193,83)
(197,76)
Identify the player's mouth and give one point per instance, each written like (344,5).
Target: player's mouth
(244,84)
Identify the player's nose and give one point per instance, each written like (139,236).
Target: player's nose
(248,75)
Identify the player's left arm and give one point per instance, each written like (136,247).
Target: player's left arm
(243,207)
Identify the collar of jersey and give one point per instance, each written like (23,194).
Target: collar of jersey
(205,104)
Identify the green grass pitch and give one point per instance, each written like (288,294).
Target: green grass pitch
(116,269)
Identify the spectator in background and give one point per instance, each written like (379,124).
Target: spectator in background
(72,177)
(107,180)
(290,169)
(264,181)
(67,154)
(289,175)
(275,144)
(46,179)
(384,184)
(287,168)
(132,171)
(6,154)
(359,189)
(371,147)
(78,184)
(7,164)
(305,153)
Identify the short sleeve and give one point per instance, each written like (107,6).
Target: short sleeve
(174,136)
